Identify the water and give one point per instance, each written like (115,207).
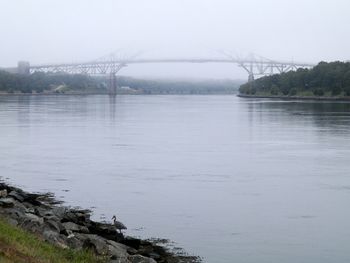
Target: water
(229,179)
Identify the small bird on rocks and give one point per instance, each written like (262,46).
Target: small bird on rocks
(118,225)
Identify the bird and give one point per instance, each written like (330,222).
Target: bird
(118,225)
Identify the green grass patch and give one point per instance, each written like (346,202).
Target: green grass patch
(17,245)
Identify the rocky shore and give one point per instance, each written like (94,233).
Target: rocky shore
(286,97)
(66,227)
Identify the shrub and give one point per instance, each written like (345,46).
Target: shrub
(318,92)
(293,92)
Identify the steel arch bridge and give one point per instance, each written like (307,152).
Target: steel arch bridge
(112,64)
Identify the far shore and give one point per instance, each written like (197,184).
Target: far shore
(323,98)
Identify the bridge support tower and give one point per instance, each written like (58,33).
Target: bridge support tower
(112,87)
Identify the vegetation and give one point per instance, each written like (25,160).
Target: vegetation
(325,79)
(39,82)
(161,86)
(17,245)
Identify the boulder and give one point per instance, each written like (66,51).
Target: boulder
(7,202)
(70,226)
(132,242)
(76,216)
(59,211)
(130,250)
(53,225)
(18,196)
(40,211)
(107,231)
(33,218)
(116,252)
(55,238)
(74,242)
(141,259)
(94,242)
(32,226)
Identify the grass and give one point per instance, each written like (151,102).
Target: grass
(17,246)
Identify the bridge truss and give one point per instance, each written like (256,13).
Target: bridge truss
(111,65)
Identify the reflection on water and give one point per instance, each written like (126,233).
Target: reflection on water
(230,179)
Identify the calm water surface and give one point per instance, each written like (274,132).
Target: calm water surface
(230,179)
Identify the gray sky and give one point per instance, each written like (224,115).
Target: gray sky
(53,31)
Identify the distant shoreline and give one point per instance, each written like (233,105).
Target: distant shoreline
(318,98)
(50,94)
(118,94)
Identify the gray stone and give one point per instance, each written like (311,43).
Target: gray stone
(53,225)
(141,259)
(55,238)
(119,261)
(34,218)
(17,196)
(7,202)
(12,221)
(42,212)
(74,242)
(129,250)
(59,211)
(117,250)
(75,227)
(15,212)
(96,243)
(32,226)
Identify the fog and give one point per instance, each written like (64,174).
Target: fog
(65,31)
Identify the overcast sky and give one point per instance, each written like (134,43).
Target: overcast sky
(42,31)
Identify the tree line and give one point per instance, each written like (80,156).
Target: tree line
(178,86)
(331,79)
(39,82)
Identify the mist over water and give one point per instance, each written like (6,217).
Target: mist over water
(229,179)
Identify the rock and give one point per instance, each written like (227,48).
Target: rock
(34,218)
(76,216)
(74,242)
(29,207)
(154,255)
(7,202)
(15,213)
(40,211)
(75,227)
(94,242)
(17,196)
(130,250)
(117,253)
(83,215)
(55,238)
(53,225)
(12,221)
(105,230)
(145,250)
(59,211)
(3,193)
(140,259)
(132,242)
(32,199)
(117,250)
(32,226)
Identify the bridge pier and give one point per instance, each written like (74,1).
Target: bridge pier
(112,88)
(250,77)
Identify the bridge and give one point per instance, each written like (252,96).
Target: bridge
(111,65)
